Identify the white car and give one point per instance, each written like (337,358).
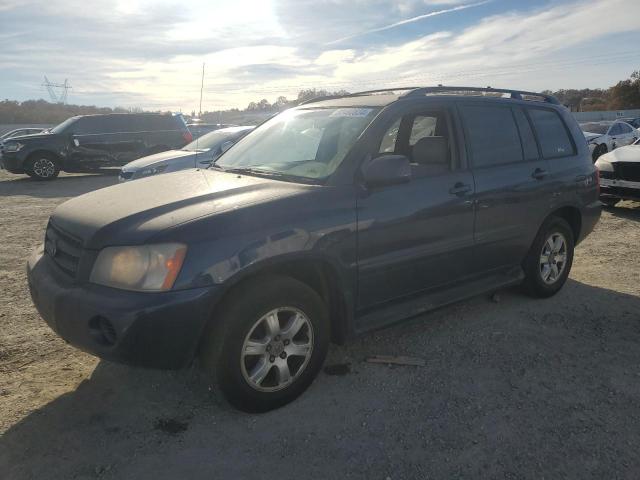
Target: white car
(604,137)
(620,174)
(198,154)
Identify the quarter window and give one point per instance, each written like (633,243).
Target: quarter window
(552,133)
(492,135)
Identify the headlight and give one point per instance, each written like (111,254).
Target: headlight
(142,268)
(13,147)
(147,172)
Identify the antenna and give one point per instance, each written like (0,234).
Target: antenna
(201,88)
(57,97)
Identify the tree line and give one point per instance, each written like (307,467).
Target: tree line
(624,95)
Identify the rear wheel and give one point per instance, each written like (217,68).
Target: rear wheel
(268,344)
(42,166)
(550,258)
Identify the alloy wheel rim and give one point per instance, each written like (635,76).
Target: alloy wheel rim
(277,349)
(553,258)
(44,167)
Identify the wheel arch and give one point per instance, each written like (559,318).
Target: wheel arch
(318,273)
(572,216)
(41,151)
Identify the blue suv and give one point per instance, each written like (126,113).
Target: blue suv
(339,216)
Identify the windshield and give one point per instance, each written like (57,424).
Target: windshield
(600,128)
(60,128)
(307,143)
(211,140)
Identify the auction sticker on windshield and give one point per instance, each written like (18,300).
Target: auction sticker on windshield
(351,112)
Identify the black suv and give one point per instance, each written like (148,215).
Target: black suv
(333,218)
(90,142)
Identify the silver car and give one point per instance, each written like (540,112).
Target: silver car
(198,154)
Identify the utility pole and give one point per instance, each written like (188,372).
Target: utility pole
(201,88)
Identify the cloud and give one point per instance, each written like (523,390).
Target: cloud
(409,20)
(150,54)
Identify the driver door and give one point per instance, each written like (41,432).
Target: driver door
(416,236)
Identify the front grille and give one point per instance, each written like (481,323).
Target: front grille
(63,249)
(629,171)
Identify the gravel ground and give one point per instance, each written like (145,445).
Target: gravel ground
(512,388)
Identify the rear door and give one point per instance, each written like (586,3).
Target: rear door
(416,236)
(511,182)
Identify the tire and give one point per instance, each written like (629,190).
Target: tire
(599,151)
(542,279)
(42,166)
(610,202)
(252,381)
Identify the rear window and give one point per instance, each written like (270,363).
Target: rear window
(492,135)
(552,133)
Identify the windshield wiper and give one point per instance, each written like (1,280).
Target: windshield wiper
(270,174)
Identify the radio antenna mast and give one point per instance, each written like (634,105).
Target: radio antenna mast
(201,88)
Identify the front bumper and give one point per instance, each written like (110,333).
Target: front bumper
(623,189)
(13,161)
(159,330)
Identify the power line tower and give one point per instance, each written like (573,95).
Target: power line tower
(60,97)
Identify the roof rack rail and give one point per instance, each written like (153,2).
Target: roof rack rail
(358,94)
(514,94)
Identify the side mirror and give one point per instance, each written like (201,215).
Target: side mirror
(226,146)
(386,170)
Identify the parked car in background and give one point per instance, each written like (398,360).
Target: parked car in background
(89,142)
(198,154)
(620,174)
(336,217)
(199,129)
(604,137)
(633,121)
(18,132)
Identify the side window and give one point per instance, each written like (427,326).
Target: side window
(424,139)
(388,144)
(529,147)
(624,128)
(492,135)
(615,129)
(552,133)
(423,126)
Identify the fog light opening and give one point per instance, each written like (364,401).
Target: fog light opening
(103,331)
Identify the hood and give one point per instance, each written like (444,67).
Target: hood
(156,158)
(592,136)
(630,153)
(132,212)
(33,136)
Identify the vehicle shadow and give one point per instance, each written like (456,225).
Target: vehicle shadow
(519,388)
(66,185)
(627,210)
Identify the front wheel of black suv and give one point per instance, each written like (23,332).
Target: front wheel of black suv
(549,261)
(267,344)
(42,166)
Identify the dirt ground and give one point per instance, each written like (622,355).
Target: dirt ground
(514,388)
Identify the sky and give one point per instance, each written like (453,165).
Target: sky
(149,53)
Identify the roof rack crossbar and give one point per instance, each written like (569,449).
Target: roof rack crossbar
(515,94)
(358,94)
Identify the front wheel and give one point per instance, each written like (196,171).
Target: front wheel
(599,151)
(42,166)
(268,343)
(550,258)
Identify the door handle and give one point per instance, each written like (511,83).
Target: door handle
(539,173)
(460,189)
